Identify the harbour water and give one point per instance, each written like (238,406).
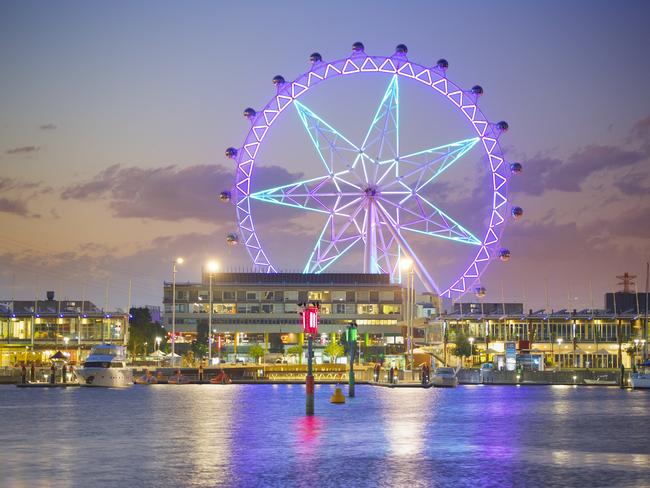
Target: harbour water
(258,435)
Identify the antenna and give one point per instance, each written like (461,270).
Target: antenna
(627,280)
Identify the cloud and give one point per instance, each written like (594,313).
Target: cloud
(8,184)
(23,150)
(16,194)
(544,172)
(14,206)
(169,193)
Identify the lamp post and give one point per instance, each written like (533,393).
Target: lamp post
(407,265)
(158,340)
(636,352)
(471,350)
(559,352)
(213,266)
(67,339)
(352,335)
(176,261)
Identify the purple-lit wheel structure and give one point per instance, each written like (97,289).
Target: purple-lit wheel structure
(371,192)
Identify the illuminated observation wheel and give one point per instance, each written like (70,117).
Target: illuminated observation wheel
(371,192)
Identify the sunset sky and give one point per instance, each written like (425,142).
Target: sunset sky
(114,117)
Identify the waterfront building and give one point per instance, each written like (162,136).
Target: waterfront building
(581,339)
(263,308)
(33,330)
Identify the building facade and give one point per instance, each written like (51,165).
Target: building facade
(582,339)
(262,308)
(31,331)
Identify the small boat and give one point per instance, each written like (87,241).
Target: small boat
(105,366)
(220,379)
(600,380)
(640,381)
(178,379)
(146,379)
(444,377)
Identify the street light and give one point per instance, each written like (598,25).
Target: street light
(176,261)
(65,341)
(559,352)
(407,265)
(158,340)
(212,266)
(471,350)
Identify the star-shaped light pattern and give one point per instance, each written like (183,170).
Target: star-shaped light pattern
(373,193)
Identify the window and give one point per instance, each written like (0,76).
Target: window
(349,296)
(291,296)
(315,295)
(338,296)
(204,295)
(363,296)
(386,296)
(374,296)
(224,308)
(252,296)
(367,308)
(326,308)
(290,307)
(229,295)
(182,295)
(302,296)
(267,296)
(267,308)
(339,308)
(391,309)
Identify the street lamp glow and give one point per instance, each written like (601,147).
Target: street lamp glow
(178,260)
(212,267)
(406,264)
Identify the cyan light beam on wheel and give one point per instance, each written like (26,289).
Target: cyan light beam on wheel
(419,268)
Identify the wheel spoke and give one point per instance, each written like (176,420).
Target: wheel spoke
(325,194)
(422,217)
(333,148)
(335,240)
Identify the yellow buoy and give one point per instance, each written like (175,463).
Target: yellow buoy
(337,397)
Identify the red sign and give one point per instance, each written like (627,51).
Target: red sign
(310,320)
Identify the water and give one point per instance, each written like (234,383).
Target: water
(257,435)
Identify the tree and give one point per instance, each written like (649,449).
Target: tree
(334,350)
(296,351)
(463,347)
(256,352)
(142,329)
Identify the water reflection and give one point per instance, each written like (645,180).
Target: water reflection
(258,435)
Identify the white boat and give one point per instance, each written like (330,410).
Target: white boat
(600,380)
(106,366)
(444,377)
(640,380)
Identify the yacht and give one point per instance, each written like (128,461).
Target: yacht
(640,380)
(444,377)
(106,366)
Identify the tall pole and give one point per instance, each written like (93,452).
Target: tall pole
(645,317)
(352,345)
(210,324)
(310,379)
(174,312)
(411,310)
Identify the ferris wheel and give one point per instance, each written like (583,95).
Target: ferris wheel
(371,193)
